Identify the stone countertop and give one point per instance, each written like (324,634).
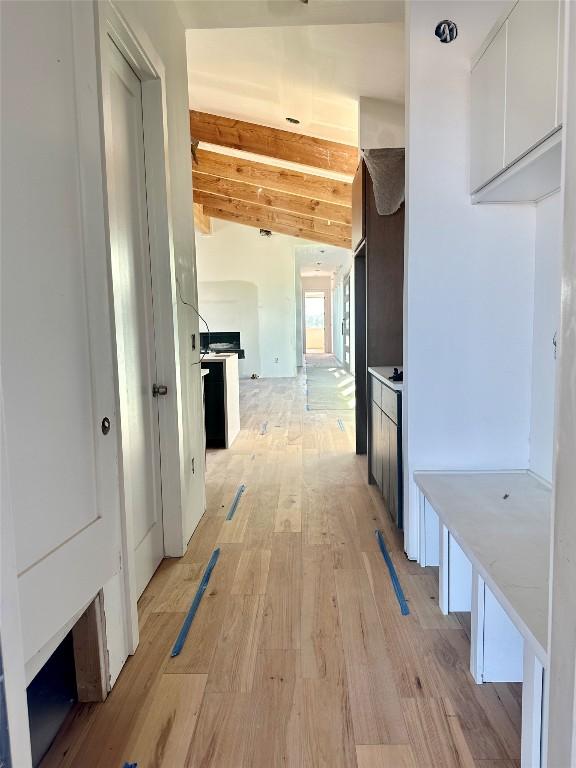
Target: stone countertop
(383,372)
(217,357)
(501,520)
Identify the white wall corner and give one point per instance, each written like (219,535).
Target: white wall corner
(380,123)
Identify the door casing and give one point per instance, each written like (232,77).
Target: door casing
(139,52)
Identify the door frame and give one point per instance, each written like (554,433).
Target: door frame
(307,292)
(142,57)
(347,281)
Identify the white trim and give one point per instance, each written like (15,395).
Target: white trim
(138,50)
(532,696)
(11,645)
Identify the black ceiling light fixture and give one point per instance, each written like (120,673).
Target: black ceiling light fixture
(265,233)
(446,31)
(293,120)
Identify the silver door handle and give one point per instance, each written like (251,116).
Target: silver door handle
(159,389)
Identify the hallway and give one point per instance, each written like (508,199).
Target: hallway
(298,655)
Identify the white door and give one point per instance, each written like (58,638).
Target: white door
(57,357)
(133,310)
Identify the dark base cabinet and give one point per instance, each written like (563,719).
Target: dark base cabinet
(385,445)
(215,405)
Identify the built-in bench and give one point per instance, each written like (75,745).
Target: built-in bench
(489,533)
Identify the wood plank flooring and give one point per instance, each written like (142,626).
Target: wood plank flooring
(298,656)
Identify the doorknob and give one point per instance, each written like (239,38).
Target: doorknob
(159,389)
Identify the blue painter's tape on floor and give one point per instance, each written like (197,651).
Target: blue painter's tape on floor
(393,575)
(341,425)
(183,634)
(264,428)
(235,501)
(130,765)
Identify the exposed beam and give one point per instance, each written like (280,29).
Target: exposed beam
(209,201)
(273,142)
(274,177)
(251,193)
(202,222)
(263,223)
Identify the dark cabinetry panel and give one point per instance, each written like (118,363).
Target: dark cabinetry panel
(215,405)
(358,209)
(384,283)
(377,447)
(379,291)
(386,447)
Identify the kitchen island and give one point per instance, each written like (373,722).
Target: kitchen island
(222,398)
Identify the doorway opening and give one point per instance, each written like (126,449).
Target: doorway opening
(315,322)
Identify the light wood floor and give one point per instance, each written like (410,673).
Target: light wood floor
(298,655)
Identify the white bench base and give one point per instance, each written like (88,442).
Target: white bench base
(498,650)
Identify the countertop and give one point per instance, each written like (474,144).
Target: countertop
(502,522)
(382,372)
(217,357)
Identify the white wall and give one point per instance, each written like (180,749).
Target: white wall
(246,283)
(469,279)
(380,123)
(547,285)
(561,680)
(299,319)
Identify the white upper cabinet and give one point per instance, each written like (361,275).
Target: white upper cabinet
(531,75)
(488,105)
(516,107)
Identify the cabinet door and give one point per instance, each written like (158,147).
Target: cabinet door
(393,502)
(487,115)
(532,75)
(376,451)
(385,438)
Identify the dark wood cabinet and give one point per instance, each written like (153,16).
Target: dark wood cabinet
(376,457)
(386,445)
(378,243)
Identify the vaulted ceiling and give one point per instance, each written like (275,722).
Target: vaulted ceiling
(290,191)
(253,166)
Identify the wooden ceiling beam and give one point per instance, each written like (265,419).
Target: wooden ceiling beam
(208,200)
(274,177)
(251,193)
(202,222)
(263,222)
(273,142)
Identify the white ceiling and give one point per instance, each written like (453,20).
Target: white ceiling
(313,73)
(322,260)
(205,14)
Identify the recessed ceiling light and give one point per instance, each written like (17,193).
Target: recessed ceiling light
(322,250)
(318,263)
(293,120)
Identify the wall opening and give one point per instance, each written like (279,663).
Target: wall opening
(51,695)
(76,671)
